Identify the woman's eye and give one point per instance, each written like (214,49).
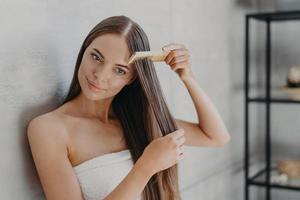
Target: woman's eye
(95,57)
(120,70)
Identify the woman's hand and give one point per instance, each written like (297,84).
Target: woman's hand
(178,59)
(163,152)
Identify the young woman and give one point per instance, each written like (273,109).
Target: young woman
(113,137)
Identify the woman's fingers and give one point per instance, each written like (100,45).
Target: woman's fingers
(180,141)
(180,151)
(179,59)
(172,46)
(175,53)
(178,133)
(177,137)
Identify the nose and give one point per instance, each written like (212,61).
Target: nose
(102,74)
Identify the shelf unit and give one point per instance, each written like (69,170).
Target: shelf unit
(262,178)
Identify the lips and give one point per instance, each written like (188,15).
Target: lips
(92,84)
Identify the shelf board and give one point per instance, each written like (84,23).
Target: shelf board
(279,94)
(259,179)
(276,15)
(272,100)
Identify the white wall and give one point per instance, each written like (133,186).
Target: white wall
(40,41)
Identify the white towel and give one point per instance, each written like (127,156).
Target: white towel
(100,175)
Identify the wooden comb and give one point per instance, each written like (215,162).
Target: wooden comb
(155,56)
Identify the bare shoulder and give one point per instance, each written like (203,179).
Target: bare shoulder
(48,140)
(49,125)
(48,130)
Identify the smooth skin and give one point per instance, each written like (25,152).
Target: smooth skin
(86,126)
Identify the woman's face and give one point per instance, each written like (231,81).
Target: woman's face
(104,71)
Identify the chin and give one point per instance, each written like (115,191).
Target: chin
(94,96)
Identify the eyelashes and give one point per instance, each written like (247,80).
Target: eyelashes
(95,57)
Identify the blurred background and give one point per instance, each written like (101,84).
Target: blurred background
(40,41)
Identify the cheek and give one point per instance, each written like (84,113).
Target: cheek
(85,69)
(87,62)
(81,72)
(80,75)
(117,85)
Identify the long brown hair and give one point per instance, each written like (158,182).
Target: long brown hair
(140,106)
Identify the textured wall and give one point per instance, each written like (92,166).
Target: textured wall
(40,41)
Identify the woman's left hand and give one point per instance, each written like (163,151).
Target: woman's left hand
(178,59)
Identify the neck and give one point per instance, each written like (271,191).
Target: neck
(100,109)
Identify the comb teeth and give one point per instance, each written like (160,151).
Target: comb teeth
(155,56)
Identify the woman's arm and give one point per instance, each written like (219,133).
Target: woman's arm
(210,122)
(48,144)
(210,129)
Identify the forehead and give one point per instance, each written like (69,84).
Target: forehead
(113,47)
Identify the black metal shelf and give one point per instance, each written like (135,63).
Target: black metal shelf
(272,100)
(276,16)
(263,177)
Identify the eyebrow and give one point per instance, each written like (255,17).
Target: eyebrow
(125,66)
